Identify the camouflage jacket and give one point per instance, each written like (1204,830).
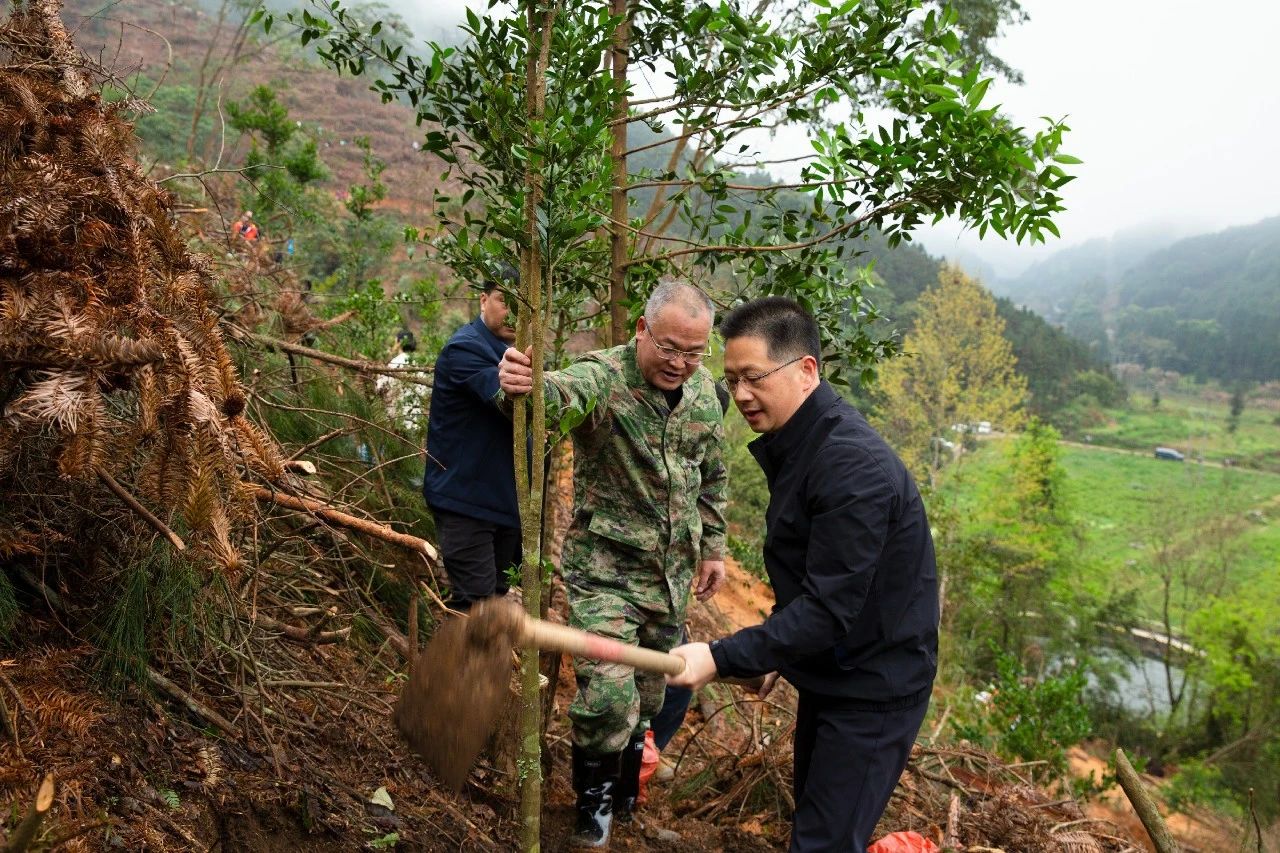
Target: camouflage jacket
(649,484)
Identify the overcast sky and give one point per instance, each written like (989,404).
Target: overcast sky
(1174,105)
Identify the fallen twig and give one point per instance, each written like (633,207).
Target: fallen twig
(404,374)
(312,445)
(306,636)
(76,833)
(342,519)
(952,837)
(50,597)
(191,703)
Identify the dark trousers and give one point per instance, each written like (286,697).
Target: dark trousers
(476,556)
(847,763)
(668,721)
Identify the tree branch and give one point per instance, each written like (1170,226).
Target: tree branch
(790,99)
(201,711)
(1144,805)
(141,510)
(333,516)
(788,247)
(25,833)
(401,373)
(313,636)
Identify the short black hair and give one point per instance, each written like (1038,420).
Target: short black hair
(788,330)
(504,275)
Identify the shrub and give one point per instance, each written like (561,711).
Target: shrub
(1028,719)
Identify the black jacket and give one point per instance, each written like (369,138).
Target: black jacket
(850,558)
(470,466)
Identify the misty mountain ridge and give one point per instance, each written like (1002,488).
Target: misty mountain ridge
(1043,284)
(1207,305)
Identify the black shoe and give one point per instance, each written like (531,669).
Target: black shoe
(628,789)
(594,778)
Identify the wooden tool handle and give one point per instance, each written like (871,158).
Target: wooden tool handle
(561,638)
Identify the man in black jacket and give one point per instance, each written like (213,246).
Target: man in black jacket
(470,477)
(851,562)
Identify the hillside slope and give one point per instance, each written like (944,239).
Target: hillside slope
(1207,305)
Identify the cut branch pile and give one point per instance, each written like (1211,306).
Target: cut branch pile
(974,801)
(965,799)
(121,409)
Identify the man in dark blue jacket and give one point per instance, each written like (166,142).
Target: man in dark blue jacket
(850,558)
(470,477)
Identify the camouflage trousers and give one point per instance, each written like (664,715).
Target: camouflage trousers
(615,701)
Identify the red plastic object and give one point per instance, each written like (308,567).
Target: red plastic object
(648,765)
(903,842)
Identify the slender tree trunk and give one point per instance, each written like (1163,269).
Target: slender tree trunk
(202,81)
(530,478)
(618,236)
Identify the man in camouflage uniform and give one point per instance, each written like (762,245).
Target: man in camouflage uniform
(649,496)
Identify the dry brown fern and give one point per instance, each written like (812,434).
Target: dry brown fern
(59,713)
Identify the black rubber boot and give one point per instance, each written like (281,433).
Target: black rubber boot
(624,796)
(594,779)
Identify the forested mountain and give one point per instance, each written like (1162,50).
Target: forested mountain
(1206,305)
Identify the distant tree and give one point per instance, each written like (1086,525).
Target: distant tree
(1006,561)
(958,370)
(280,165)
(1237,408)
(1059,368)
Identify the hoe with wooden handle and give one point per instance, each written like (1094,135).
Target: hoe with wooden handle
(459,684)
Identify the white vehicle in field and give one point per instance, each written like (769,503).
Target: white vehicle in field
(984,428)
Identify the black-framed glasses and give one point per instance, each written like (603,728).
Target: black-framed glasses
(671,353)
(752,380)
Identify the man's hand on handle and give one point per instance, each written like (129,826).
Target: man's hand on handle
(710,579)
(700,669)
(515,371)
(699,666)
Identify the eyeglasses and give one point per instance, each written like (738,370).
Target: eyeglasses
(671,353)
(752,380)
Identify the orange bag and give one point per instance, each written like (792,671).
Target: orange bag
(648,765)
(903,842)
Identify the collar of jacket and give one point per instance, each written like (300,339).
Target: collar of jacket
(497,344)
(773,449)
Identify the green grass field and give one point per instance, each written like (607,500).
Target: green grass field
(1129,505)
(1196,424)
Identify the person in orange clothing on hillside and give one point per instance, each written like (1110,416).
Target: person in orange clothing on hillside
(245,228)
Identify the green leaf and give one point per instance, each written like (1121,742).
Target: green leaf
(978,92)
(944,107)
